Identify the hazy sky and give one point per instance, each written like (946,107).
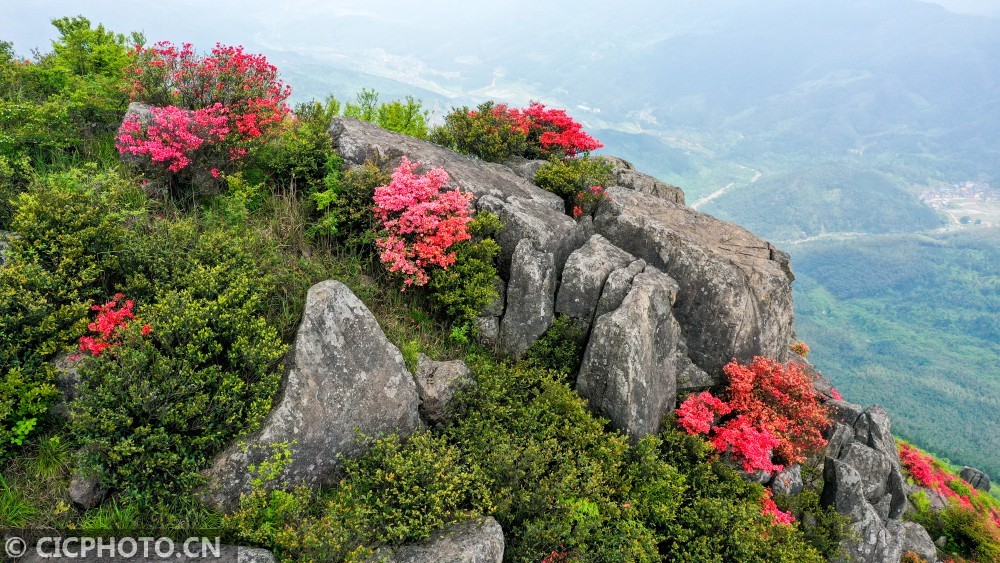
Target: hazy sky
(26,22)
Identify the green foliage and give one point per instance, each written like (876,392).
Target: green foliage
(302,159)
(68,252)
(67,102)
(720,517)
(969,533)
(569,177)
(485,132)
(407,117)
(345,207)
(395,492)
(560,348)
(467,286)
(16,175)
(822,526)
(906,321)
(154,410)
(557,478)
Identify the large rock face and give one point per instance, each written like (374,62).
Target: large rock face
(478,541)
(863,480)
(630,367)
(585,274)
(343,374)
(530,298)
(734,298)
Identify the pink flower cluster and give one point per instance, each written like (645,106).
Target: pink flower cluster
(771,411)
(173,135)
(929,475)
(422,221)
(110,322)
(768,508)
(229,98)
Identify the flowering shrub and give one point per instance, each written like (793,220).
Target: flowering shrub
(109,325)
(208,110)
(495,132)
(769,508)
(923,469)
(800,348)
(579,181)
(772,416)
(422,221)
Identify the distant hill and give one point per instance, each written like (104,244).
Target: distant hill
(831,198)
(912,323)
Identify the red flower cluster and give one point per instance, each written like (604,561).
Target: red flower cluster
(556,131)
(110,322)
(926,473)
(772,410)
(422,221)
(586,201)
(768,508)
(229,98)
(549,131)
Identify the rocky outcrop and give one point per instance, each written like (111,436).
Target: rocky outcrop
(5,237)
(863,480)
(626,176)
(86,491)
(629,370)
(584,277)
(342,375)
(788,482)
(437,383)
(976,478)
(917,540)
(532,288)
(734,297)
(478,541)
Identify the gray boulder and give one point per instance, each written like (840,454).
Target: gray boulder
(86,491)
(477,541)
(5,237)
(863,480)
(917,540)
(617,286)
(532,288)
(524,167)
(437,383)
(976,478)
(626,176)
(734,297)
(552,231)
(584,275)
(343,376)
(630,366)
(788,482)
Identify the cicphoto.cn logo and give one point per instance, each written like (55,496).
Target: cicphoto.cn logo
(123,547)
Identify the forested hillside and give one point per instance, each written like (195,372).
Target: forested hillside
(913,322)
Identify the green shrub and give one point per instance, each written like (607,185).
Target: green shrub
(153,411)
(407,117)
(467,286)
(568,178)
(72,246)
(720,515)
(559,481)
(396,492)
(16,175)
(560,348)
(302,159)
(345,207)
(822,526)
(486,132)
